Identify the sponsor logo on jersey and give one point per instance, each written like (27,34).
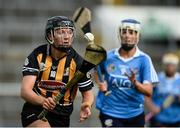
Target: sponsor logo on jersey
(120,82)
(51,85)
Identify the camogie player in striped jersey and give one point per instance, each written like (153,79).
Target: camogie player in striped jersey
(45,72)
(129,74)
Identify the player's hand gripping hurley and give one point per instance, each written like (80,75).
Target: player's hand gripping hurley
(100,76)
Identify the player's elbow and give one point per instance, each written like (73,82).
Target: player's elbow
(23,92)
(149,92)
(88,96)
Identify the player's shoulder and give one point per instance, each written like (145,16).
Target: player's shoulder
(41,49)
(75,56)
(161,74)
(144,55)
(177,75)
(112,52)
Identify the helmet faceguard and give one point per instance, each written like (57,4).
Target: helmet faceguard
(58,22)
(129,25)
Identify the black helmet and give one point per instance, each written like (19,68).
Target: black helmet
(56,22)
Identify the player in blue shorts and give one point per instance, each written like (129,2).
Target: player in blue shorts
(169,86)
(129,74)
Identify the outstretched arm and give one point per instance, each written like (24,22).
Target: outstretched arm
(144,88)
(151,106)
(87,101)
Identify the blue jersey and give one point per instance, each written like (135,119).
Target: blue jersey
(166,87)
(124,101)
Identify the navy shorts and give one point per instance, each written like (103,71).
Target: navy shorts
(30,112)
(155,123)
(108,121)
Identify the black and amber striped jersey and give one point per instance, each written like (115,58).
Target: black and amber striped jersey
(50,72)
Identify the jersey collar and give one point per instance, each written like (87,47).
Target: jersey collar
(48,51)
(176,75)
(136,54)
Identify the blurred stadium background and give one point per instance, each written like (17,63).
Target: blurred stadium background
(22,24)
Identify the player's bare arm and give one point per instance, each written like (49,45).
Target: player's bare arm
(29,95)
(145,89)
(152,107)
(87,101)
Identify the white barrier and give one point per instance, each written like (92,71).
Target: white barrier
(10,89)
(13,89)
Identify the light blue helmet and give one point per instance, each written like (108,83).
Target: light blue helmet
(130,24)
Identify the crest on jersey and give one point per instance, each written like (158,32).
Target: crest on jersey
(26,62)
(42,66)
(111,68)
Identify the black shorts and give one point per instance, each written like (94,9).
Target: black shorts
(30,112)
(108,121)
(156,123)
